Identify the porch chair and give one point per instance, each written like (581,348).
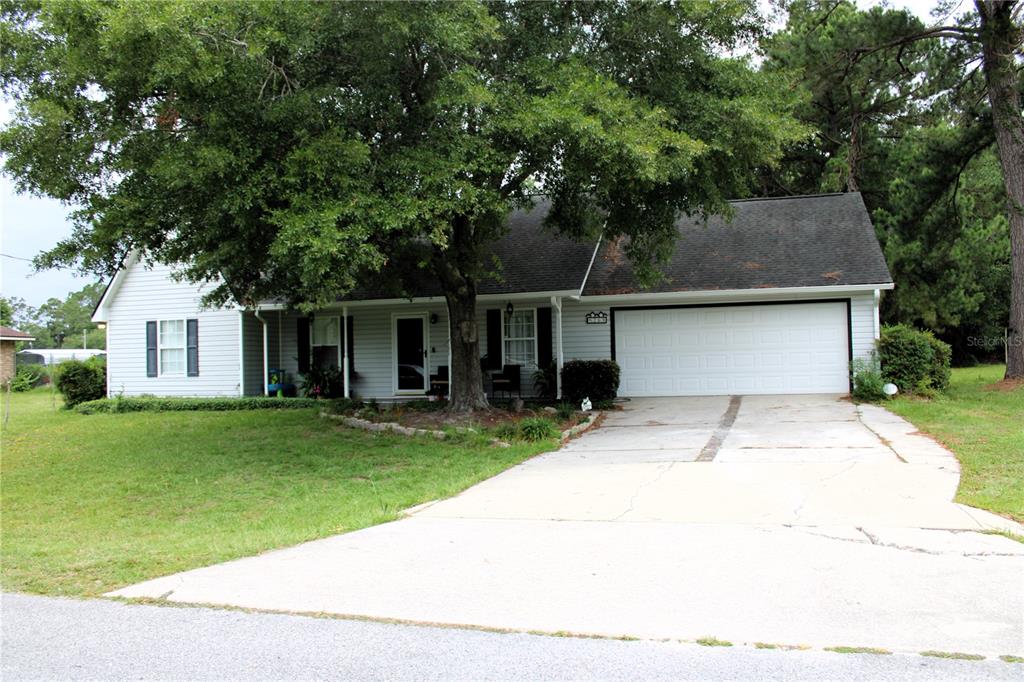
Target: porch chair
(507,380)
(439,382)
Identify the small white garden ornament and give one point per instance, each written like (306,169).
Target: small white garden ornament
(890,390)
(586,405)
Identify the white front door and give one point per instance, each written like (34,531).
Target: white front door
(410,354)
(733,350)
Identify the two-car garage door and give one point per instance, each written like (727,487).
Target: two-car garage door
(733,350)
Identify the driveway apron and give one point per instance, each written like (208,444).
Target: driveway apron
(802,520)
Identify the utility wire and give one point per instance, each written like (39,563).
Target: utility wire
(7,255)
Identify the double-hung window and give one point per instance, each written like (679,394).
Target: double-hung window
(326,341)
(172,347)
(520,337)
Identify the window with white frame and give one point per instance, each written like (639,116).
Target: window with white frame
(172,347)
(326,341)
(520,337)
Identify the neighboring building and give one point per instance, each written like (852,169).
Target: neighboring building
(9,338)
(55,356)
(778,300)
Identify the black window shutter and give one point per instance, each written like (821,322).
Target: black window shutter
(543,337)
(302,339)
(151,349)
(494,338)
(351,340)
(192,347)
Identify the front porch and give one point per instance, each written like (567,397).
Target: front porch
(400,350)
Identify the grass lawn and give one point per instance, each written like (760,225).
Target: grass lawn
(984,426)
(92,503)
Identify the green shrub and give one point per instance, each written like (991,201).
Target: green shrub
(939,373)
(565,411)
(537,428)
(80,381)
(507,432)
(545,380)
(323,382)
(594,379)
(208,404)
(867,380)
(913,359)
(27,377)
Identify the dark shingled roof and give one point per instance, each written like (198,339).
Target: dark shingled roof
(531,258)
(804,241)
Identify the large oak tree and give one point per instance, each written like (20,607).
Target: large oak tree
(297,148)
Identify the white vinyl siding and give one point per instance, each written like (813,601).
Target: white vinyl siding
(150,295)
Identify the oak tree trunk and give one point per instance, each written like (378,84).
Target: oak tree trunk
(454,268)
(1000,41)
(466,386)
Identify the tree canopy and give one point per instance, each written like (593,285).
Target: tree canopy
(57,323)
(900,112)
(294,148)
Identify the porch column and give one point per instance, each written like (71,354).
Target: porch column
(266,358)
(344,345)
(556,303)
(451,373)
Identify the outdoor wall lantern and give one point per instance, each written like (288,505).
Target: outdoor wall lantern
(433,318)
(509,310)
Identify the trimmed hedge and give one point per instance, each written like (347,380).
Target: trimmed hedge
(81,381)
(594,379)
(913,359)
(145,404)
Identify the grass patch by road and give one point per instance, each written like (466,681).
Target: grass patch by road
(983,425)
(858,650)
(713,641)
(92,503)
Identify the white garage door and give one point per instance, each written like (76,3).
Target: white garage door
(733,350)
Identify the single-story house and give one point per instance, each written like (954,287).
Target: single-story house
(9,338)
(779,299)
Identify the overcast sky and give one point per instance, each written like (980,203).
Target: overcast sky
(29,225)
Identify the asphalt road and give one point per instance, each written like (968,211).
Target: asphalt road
(47,638)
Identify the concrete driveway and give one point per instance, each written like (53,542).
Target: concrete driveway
(802,460)
(799,520)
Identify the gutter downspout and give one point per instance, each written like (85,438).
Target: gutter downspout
(266,360)
(344,344)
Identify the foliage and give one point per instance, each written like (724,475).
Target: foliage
(566,410)
(27,377)
(545,380)
(979,420)
(909,126)
(594,379)
(80,381)
(867,380)
(91,504)
(537,428)
(939,372)
(912,359)
(291,149)
(323,382)
(58,323)
(154,404)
